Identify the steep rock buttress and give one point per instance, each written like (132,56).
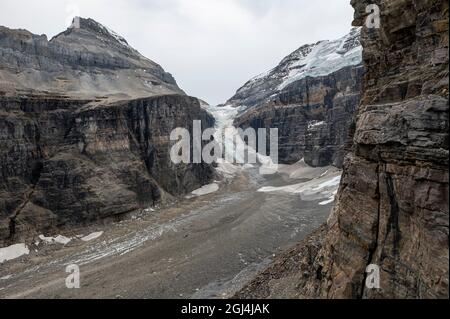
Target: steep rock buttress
(392,206)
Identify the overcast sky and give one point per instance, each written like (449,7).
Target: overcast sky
(212,47)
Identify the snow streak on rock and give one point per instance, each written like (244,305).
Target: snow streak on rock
(322,187)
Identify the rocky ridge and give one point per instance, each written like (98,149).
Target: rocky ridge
(392,206)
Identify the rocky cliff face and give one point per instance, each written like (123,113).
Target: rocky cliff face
(65,161)
(392,206)
(310,97)
(81,151)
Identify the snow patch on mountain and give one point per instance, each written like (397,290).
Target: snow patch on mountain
(116,36)
(325,58)
(13,252)
(206,190)
(320,188)
(63,240)
(315,124)
(234,148)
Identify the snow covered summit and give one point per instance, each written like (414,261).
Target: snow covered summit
(311,60)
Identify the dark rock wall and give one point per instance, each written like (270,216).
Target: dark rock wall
(313,116)
(70,161)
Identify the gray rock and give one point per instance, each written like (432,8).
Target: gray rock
(88,62)
(77,144)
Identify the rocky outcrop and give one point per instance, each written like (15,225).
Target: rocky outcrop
(90,148)
(392,206)
(313,116)
(310,98)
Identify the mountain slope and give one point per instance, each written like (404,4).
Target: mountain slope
(310,97)
(88,61)
(85,124)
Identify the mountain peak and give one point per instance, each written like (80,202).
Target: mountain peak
(90,26)
(310,60)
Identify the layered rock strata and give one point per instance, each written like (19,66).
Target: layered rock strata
(392,206)
(85,124)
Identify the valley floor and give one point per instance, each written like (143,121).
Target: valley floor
(204,247)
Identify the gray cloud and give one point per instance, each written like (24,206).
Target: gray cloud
(211,46)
